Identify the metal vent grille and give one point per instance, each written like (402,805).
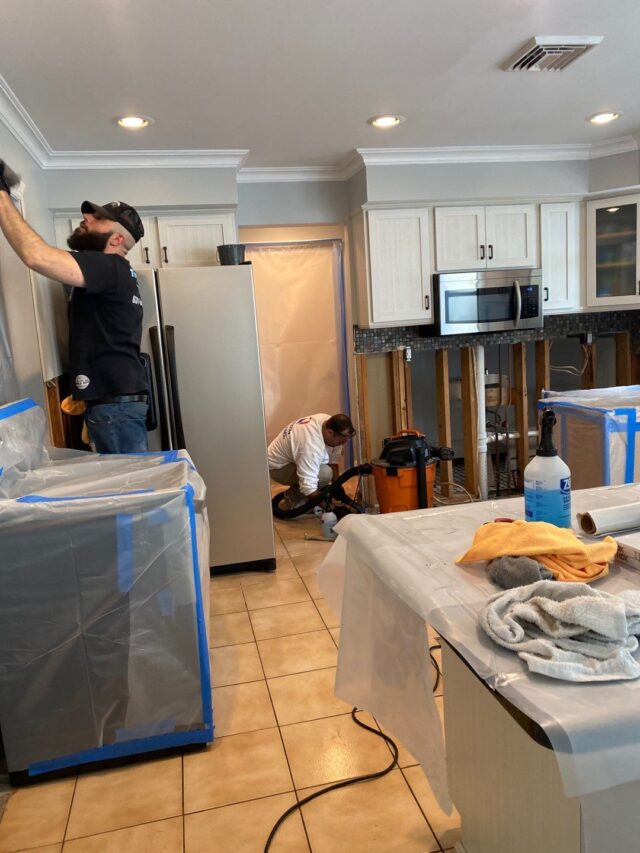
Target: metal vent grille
(550,53)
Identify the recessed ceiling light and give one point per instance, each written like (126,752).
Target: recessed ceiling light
(603,118)
(613,209)
(385,121)
(133,122)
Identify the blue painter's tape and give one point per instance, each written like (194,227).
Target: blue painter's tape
(39,499)
(118,750)
(630,466)
(165,455)
(124,536)
(205,673)
(12,409)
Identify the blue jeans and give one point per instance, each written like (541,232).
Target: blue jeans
(118,427)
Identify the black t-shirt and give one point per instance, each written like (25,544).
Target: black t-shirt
(105,327)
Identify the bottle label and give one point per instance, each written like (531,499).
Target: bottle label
(552,505)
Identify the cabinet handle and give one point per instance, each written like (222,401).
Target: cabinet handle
(146,255)
(490,252)
(426,303)
(166,259)
(482,253)
(546,294)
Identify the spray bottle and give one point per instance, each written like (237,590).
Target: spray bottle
(329,521)
(547,481)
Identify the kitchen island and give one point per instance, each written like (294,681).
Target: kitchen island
(532,763)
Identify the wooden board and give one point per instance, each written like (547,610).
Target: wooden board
(58,421)
(521,403)
(402,393)
(444,418)
(469,420)
(588,379)
(624,375)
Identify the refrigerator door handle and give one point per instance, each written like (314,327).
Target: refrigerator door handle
(161,388)
(169,336)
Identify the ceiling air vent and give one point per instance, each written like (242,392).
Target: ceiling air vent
(550,53)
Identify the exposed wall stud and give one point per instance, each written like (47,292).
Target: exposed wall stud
(521,403)
(623,359)
(444,418)
(469,420)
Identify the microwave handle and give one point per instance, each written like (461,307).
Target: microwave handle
(518,295)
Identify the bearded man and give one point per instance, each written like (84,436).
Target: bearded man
(105,319)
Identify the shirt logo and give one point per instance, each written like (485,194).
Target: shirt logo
(134,274)
(82,381)
(136,300)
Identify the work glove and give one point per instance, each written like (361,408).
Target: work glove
(8,178)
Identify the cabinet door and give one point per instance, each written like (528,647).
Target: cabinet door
(613,262)
(460,238)
(146,251)
(400,267)
(559,250)
(190,241)
(511,236)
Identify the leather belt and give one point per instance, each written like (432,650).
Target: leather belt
(123,398)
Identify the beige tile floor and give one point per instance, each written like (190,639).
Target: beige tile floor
(280,734)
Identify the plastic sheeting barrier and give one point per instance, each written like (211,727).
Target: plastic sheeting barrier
(388,575)
(22,430)
(103,641)
(598,434)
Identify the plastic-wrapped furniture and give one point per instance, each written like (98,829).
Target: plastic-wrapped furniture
(103,636)
(597,434)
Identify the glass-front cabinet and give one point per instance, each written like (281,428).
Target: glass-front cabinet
(613,251)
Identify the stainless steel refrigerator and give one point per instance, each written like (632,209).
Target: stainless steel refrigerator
(201,334)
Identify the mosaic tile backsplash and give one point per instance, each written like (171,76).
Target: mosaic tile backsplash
(555,326)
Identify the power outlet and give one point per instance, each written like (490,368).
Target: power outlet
(586,338)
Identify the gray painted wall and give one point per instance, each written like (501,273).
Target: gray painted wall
(619,170)
(357,189)
(483,181)
(292,203)
(143,188)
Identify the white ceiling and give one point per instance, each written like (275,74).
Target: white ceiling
(295,80)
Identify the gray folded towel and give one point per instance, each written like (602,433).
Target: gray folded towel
(508,572)
(568,630)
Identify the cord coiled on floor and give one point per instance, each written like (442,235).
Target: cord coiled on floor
(365,778)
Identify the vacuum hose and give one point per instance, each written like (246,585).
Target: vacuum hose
(333,490)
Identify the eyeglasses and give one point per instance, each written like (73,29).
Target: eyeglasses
(345,435)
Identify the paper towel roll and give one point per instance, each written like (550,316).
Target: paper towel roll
(610,519)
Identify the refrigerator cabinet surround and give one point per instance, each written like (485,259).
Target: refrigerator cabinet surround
(200,324)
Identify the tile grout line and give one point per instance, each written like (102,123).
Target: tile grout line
(284,748)
(66,825)
(422,811)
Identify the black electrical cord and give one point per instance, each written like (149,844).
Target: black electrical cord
(366,778)
(435,647)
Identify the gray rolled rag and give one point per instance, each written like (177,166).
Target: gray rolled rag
(509,572)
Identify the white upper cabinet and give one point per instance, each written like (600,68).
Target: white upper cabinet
(190,241)
(460,238)
(492,237)
(398,289)
(171,241)
(613,251)
(559,248)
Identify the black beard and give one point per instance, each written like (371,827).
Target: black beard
(88,241)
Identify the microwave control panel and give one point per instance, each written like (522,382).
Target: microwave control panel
(530,301)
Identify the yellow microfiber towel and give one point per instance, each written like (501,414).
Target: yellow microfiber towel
(76,407)
(556,548)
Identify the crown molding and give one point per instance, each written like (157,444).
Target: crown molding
(222,159)
(495,153)
(282,174)
(613,146)
(19,123)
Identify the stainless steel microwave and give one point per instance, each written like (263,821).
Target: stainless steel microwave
(487,301)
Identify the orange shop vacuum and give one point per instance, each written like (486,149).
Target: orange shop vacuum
(405,471)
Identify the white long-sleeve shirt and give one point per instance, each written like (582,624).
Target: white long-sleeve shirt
(301,442)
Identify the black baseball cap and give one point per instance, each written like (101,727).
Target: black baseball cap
(118,211)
